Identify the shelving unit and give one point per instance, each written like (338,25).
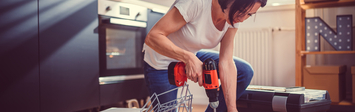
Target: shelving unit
(340,3)
(327,52)
(301,53)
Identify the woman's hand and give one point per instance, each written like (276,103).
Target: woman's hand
(194,69)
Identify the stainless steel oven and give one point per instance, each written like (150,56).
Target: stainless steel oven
(121,38)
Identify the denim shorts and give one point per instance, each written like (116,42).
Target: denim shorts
(157,80)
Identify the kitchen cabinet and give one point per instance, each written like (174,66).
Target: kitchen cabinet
(50,57)
(69,63)
(19,65)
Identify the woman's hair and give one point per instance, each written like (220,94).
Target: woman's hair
(241,6)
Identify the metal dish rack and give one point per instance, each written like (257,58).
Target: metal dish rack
(183,103)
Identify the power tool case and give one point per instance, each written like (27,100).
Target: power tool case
(270,101)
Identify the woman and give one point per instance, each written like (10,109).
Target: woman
(188,27)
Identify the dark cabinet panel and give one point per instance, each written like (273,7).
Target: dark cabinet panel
(122,91)
(19,72)
(69,63)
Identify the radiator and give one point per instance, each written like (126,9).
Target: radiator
(255,46)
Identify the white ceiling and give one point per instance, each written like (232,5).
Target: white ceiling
(168,3)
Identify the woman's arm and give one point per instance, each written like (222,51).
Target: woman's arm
(158,41)
(227,70)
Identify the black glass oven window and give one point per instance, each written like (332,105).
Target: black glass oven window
(120,48)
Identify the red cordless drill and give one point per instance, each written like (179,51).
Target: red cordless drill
(177,76)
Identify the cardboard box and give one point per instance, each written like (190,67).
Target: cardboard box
(353,72)
(331,78)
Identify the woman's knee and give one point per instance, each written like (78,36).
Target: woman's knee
(244,69)
(250,73)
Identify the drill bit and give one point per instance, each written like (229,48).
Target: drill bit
(214,105)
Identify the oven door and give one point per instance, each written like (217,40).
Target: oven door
(120,49)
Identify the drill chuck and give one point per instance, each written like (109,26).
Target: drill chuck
(214,105)
(212,94)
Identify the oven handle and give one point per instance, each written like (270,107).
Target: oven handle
(119,79)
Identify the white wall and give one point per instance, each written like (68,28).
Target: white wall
(284,58)
(272,16)
(282,17)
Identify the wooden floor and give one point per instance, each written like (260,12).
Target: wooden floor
(199,108)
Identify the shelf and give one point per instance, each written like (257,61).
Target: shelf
(327,52)
(345,102)
(340,3)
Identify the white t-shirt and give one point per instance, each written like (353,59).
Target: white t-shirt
(198,33)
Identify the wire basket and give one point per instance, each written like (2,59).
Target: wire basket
(183,103)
